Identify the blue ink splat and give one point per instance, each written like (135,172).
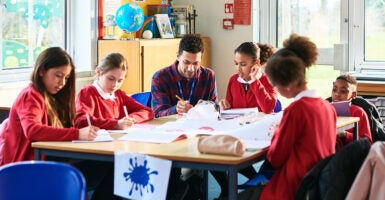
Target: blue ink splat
(139,175)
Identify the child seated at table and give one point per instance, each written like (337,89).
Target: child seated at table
(307,131)
(345,89)
(44,111)
(109,107)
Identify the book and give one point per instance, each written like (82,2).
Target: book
(342,108)
(164,25)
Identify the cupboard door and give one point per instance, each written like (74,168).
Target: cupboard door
(156,55)
(130,50)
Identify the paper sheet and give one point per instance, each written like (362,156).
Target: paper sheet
(103,136)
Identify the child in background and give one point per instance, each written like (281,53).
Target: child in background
(249,87)
(307,130)
(345,89)
(44,111)
(107,105)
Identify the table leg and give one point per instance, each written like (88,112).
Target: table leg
(37,154)
(233,184)
(355,131)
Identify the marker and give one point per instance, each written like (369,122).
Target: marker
(178,97)
(88,119)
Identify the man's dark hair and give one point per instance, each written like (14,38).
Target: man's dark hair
(191,44)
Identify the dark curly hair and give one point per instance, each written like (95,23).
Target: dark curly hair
(191,44)
(267,51)
(289,64)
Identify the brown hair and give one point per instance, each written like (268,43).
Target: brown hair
(267,50)
(113,61)
(289,64)
(60,107)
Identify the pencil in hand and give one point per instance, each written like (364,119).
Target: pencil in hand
(126,113)
(178,97)
(88,119)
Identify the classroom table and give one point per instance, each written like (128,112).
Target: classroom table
(182,153)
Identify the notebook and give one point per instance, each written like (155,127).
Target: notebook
(342,108)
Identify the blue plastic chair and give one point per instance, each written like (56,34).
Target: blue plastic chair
(43,180)
(143,98)
(278,106)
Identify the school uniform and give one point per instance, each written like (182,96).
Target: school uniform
(105,110)
(363,126)
(305,136)
(258,93)
(167,82)
(28,122)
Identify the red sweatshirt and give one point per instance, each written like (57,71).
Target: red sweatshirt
(28,122)
(261,94)
(363,127)
(105,113)
(306,135)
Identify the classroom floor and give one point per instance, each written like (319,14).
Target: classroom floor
(214,188)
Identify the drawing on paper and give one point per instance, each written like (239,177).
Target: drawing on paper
(139,176)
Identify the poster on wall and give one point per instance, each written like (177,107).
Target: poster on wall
(242,12)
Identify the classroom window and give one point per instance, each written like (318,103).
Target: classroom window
(374,30)
(30,26)
(27,28)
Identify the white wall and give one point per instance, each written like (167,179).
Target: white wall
(223,42)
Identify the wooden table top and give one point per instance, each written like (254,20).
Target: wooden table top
(182,150)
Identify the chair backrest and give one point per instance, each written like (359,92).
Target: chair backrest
(143,98)
(43,180)
(4,113)
(332,177)
(278,106)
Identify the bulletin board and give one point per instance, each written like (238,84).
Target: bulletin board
(242,12)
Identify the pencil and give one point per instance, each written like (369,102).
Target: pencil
(88,119)
(178,97)
(126,113)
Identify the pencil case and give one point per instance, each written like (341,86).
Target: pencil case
(221,144)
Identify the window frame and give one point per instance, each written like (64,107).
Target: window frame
(80,20)
(352,35)
(357,61)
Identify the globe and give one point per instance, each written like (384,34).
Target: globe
(129,17)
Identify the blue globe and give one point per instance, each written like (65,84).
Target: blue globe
(129,17)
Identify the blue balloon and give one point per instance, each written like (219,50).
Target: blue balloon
(129,17)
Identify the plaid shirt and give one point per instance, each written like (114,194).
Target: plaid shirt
(165,85)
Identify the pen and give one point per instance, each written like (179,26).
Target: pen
(88,119)
(178,97)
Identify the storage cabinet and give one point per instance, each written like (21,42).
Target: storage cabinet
(145,57)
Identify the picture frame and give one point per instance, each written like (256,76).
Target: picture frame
(164,25)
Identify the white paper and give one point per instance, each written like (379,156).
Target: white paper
(253,145)
(138,176)
(102,136)
(153,136)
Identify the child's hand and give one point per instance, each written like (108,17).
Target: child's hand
(224,104)
(124,123)
(88,133)
(273,126)
(255,70)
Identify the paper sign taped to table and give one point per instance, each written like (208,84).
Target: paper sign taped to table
(138,176)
